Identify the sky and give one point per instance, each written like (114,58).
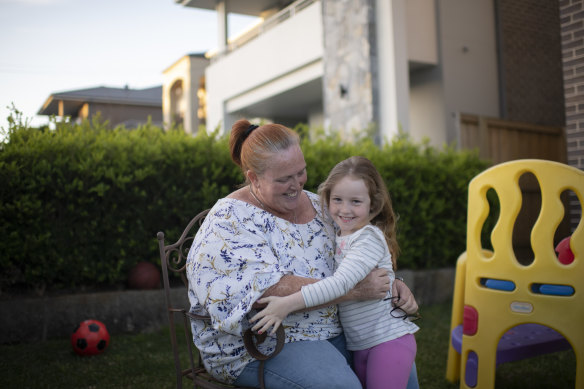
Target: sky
(50,46)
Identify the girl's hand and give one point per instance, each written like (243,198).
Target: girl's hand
(271,316)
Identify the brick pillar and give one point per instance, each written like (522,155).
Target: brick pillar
(530,59)
(572,22)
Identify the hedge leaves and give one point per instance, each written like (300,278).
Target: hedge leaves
(81,204)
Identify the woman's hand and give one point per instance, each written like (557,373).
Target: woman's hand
(405,299)
(376,285)
(373,287)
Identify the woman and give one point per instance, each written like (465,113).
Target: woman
(270,238)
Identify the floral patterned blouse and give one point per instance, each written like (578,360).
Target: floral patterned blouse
(239,252)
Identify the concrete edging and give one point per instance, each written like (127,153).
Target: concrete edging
(135,311)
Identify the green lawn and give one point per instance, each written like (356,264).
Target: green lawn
(145,361)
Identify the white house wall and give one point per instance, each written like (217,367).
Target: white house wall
(291,50)
(288,81)
(421,31)
(469,55)
(466,77)
(393,77)
(427,106)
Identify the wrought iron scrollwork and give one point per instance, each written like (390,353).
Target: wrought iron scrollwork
(175,255)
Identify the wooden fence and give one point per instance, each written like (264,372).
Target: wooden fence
(501,140)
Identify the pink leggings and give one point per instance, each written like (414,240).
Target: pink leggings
(387,365)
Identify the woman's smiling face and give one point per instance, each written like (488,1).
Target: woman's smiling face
(280,186)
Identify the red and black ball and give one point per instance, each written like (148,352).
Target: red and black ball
(90,337)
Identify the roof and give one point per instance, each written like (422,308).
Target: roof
(73,100)
(191,55)
(247,7)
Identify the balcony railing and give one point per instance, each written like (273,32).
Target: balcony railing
(261,28)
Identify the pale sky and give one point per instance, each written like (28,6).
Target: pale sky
(49,46)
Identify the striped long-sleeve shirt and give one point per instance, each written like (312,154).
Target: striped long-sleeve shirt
(365,323)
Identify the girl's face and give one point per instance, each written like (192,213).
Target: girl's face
(350,204)
(280,186)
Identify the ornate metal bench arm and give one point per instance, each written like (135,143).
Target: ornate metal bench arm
(248,338)
(250,346)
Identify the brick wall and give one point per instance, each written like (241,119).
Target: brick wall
(572,19)
(572,27)
(531,66)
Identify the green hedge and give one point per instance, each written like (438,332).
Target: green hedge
(81,204)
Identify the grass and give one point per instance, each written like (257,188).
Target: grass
(145,361)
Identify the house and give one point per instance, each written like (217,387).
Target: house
(504,76)
(412,65)
(120,106)
(183,92)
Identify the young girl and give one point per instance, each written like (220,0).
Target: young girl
(383,343)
